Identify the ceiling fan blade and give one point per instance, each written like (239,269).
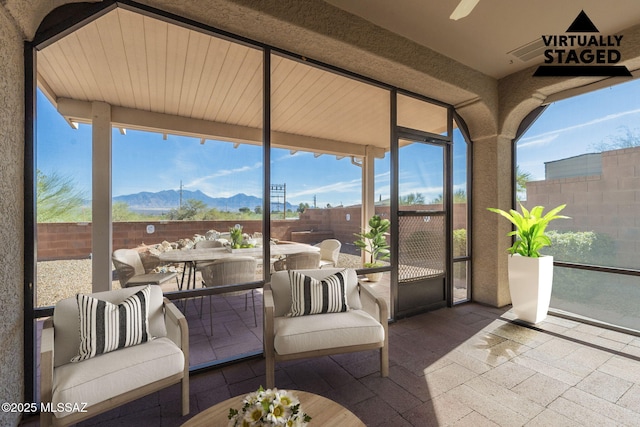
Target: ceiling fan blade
(464,8)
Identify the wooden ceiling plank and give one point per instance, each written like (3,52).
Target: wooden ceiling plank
(322,112)
(214,60)
(93,50)
(52,64)
(116,61)
(243,87)
(177,42)
(297,98)
(134,36)
(232,63)
(79,62)
(251,111)
(193,72)
(156,34)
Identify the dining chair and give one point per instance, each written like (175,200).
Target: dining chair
(329,252)
(299,261)
(230,271)
(131,271)
(203,244)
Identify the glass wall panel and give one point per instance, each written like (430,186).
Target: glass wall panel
(421,177)
(421,115)
(328,131)
(610,298)
(584,152)
(460,278)
(63,205)
(187,159)
(461,244)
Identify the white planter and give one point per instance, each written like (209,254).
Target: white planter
(530,281)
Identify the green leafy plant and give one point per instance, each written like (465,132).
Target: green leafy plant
(374,241)
(236,236)
(530,228)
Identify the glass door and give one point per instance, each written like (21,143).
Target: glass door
(423,227)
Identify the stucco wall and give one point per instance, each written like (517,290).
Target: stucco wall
(11,216)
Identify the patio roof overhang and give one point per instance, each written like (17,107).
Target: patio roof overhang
(161,77)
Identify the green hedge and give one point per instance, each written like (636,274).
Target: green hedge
(584,247)
(459,242)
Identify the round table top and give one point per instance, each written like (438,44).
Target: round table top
(323,412)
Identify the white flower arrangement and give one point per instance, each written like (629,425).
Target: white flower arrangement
(271,407)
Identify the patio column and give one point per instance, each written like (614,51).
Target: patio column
(368,191)
(101,233)
(492,187)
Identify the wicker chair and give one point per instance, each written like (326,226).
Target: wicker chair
(329,252)
(131,272)
(203,244)
(230,271)
(299,261)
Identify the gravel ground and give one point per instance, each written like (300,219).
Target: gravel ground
(61,279)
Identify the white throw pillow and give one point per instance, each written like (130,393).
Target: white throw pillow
(313,296)
(106,327)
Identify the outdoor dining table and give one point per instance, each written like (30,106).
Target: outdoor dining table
(192,256)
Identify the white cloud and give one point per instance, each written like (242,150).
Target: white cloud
(337,187)
(555,133)
(222,172)
(528,142)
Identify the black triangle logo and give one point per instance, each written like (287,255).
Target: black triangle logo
(582,24)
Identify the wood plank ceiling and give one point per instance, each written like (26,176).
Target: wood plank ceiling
(186,82)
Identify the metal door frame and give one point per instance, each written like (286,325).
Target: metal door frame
(446,143)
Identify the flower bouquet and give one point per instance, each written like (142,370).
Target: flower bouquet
(271,407)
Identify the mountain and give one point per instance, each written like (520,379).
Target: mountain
(170,199)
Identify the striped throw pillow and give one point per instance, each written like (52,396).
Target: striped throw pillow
(106,327)
(313,296)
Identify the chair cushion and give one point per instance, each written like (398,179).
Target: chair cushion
(112,374)
(281,288)
(66,320)
(106,327)
(323,331)
(313,296)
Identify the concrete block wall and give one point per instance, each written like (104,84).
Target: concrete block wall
(73,240)
(608,203)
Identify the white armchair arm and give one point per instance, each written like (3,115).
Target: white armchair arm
(375,306)
(177,327)
(268,335)
(178,332)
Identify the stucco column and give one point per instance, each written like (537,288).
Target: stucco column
(101,233)
(492,187)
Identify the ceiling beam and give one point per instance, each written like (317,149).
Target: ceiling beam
(129,118)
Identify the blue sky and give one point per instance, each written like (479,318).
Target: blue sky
(143,161)
(574,126)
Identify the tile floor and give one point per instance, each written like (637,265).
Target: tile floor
(465,366)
